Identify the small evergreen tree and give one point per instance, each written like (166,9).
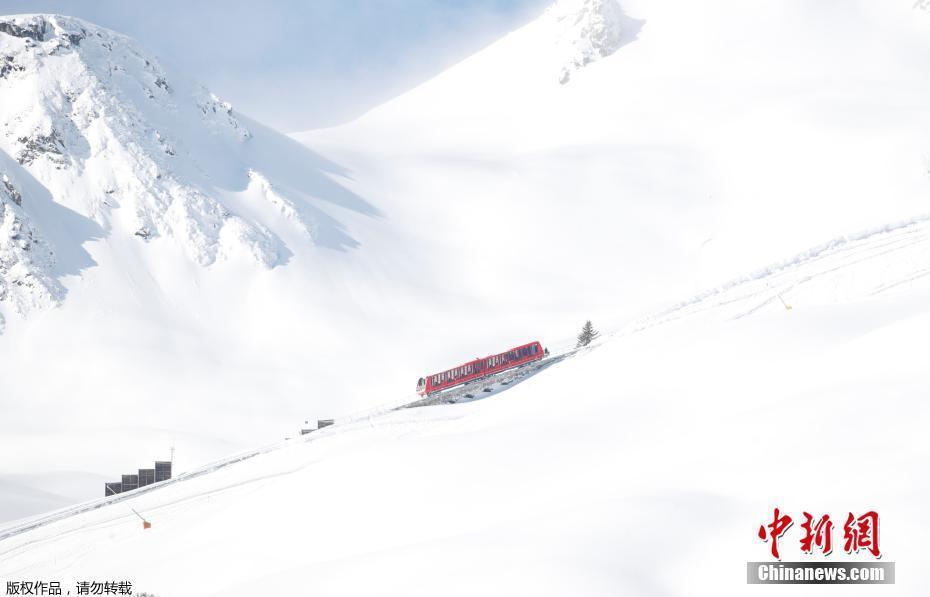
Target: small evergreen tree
(588,333)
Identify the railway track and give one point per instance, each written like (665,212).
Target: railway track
(474,390)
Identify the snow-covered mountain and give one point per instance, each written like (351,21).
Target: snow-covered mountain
(142,154)
(600,162)
(718,136)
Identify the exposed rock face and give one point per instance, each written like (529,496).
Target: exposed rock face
(26,259)
(33,29)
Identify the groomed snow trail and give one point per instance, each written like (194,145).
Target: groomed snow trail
(899,252)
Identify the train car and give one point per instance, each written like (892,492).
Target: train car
(479,368)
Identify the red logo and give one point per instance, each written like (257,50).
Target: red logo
(858,533)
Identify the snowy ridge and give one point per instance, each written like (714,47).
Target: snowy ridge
(92,139)
(143,153)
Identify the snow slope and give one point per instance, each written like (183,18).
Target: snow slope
(271,283)
(716,136)
(643,466)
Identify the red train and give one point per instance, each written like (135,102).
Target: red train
(479,368)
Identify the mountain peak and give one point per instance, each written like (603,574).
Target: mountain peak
(45,27)
(588,30)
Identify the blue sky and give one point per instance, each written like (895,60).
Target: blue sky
(303,64)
